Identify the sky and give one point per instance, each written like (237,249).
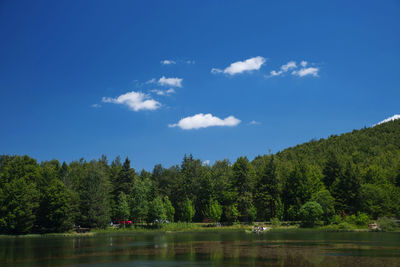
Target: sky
(155,80)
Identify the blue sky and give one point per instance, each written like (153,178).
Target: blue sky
(86,78)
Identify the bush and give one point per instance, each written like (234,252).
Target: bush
(310,213)
(275,222)
(336,219)
(361,219)
(387,224)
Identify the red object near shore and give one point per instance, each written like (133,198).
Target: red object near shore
(124,222)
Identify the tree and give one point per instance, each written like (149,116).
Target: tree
(157,211)
(267,191)
(123,210)
(139,202)
(169,209)
(243,181)
(327,202)
(332,169)
(310,213)
(94,196)
(346,190)
(214,210)
(19,196)
(188,210)
(124,179)
(231,213)
(56,211)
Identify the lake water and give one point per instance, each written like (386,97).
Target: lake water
(304,248)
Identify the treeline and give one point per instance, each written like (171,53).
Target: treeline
(343,175)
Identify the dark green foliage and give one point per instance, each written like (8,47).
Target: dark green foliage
(346,175)
(267,191)
(169,209)
(243,181)
(94,197)
(346,190)
(157,211)
(214,210)
(56,211)
(387,224)
(327,202)
(123,210)
(187,210)
(310,213)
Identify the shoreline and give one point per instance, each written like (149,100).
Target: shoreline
(190,228)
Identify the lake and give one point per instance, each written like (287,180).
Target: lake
(300,248)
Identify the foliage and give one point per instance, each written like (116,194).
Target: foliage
(122,207)
(387,224)
(214,210)
(327,202)
(354,176)
(156,211)
(187,210)
(169,209)
(310,213)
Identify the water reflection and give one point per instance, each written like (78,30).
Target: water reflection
(205,249)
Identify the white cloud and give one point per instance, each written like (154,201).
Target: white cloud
(203,121)
(394,117)
(174,82)
(284,68)
(250,64)
(303,63)
(306,71)
(288,66)
(168,62)
(253,122)
(190,62)
(135,101)
(206,162)
(151,81)
(96,106)
(162,92)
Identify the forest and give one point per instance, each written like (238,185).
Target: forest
(351,174)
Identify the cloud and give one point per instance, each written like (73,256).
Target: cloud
(174,82)
(250,64)
(303,63)
(306,71)
(168,62)
(284,68)
(135,101)
(288,66)
(394,117)
(96,106)
(190,62)
(253,122)
(162,92)
(206,162)
(151,81)
(203,121)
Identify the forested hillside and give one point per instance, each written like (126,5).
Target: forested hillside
(347,174)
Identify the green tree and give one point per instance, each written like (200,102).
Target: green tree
(94,196)
(346,190)
(139,201)
(267,191)
(188,210)
(332,169)
(327,202)
(214,210)
(19,196)
(310,213)
(56,211)
(169,209)
(157,212)
(123,210)
(243,182)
